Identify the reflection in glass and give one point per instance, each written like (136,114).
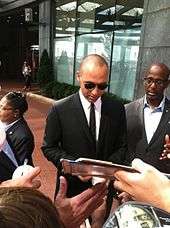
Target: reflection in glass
(109,28)
(64,59)
(124,62)
(94,43)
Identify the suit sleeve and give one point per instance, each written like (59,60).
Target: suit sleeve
(52,143)
(26,147)
(120,147)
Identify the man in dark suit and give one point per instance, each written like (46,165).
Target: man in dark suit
(19,143)
(148,120)
(67,132)
(22,146)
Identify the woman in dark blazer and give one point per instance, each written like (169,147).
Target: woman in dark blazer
(19,143)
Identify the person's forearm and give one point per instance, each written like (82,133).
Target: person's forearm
(98,216)
(8,183)
(165,199)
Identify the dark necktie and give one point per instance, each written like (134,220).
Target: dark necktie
(92,123)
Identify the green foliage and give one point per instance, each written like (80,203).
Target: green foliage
(57,90)
(123,100)
(45,71)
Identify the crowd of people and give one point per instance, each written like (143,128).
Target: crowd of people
(93,125)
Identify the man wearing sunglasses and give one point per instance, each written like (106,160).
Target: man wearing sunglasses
(148,120)
(69,131)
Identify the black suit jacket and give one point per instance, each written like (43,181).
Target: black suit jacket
(7,167)
(67,134)
(138,146)
(21,141)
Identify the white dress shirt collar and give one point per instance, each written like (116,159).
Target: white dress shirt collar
(86,107)
(87,104)
(160,107)
(152,117)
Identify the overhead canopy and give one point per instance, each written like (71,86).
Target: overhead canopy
(6,5)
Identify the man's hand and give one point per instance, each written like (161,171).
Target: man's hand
(166,152)
(85,178)
(124,197)
(73,211)
(27,180)
(148,185)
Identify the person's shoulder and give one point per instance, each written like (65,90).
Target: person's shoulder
(20,128)
(110,100)
(18,124)
(134,103)
(64,102)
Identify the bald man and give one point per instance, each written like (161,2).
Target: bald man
(148,119)
(67,132)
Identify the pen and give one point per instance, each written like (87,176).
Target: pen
(25,163)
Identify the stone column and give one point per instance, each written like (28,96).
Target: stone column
(46,27)
(155,39)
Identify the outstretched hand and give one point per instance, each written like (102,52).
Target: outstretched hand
(166,152)
(27,180)
(73,211)
(147,185)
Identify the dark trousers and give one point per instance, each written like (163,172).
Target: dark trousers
(28,81)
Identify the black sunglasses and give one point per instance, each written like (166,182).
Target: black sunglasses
(91,85)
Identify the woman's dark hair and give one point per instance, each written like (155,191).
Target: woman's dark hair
(17,100)
(22,207)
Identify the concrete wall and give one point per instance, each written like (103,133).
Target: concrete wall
(155,39)
(45,26)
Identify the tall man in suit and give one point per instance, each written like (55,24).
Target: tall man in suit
(148,120)
(67,133)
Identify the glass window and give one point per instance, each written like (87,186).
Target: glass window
(64,60)
(93,44)
(124,62)
(64,41)
(109,28)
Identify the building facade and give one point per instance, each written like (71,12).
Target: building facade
(130,34)
(109,28)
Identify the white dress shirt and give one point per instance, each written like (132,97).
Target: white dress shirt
(6,147)
(152,117)
(86,106)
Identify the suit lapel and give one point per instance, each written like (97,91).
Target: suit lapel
(81,117)
(140,114)
(12,129)
(145,141)
(163,122)
(139,107)
(10,133)
(103,121)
